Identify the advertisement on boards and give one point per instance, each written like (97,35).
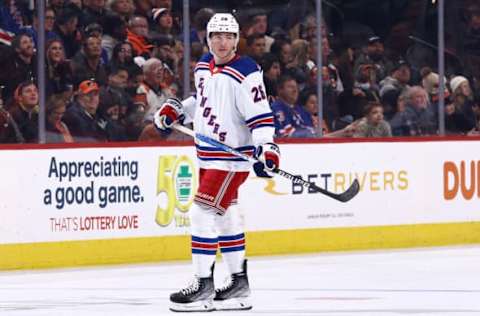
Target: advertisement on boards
(99,193)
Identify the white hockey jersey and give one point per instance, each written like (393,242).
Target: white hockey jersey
(230,106)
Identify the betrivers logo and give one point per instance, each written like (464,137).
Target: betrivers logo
(373,180)
(176,188)
(463,178)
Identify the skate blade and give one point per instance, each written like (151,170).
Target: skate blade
(233,304)
(200,306)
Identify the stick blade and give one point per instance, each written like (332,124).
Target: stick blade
(351,192)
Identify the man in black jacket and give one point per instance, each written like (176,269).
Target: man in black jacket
(81,117)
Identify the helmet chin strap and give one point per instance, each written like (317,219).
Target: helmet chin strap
(215,56)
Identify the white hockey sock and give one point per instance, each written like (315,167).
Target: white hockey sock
(204,239)
(231,238)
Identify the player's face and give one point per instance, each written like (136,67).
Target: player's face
(223,46)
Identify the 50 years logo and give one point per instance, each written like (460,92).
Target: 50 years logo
(176,188)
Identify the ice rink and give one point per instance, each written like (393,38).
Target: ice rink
(437,281)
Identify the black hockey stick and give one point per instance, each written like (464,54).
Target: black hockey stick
(342,197)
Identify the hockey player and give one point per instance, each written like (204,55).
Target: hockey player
(231,106)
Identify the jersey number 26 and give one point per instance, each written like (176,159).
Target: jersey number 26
(258,94)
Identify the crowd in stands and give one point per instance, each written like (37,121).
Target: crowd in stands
(110,64)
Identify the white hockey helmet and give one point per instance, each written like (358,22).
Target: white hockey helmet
(225,23)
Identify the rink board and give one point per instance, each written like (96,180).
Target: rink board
(106,205)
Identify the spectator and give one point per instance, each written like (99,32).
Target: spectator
(81,116)
(271,74)
(476,110)
(256,47)
(25,114)
(32,30)
(283,50)
(87,63)
(162,22)
(94,12)
(394,85)
(10,20)
(309,30)
(149,94)
(373,124)
(115,32)
(308,100)
(123,57)
(288,122)
(20,67)
(117,83)
(365,81)
(57,6)
(398,80)
(164,50)
(460,118)
(124,8)
(9,132)
(375,55)
(110,110)
(66,28)
(300,67)
(56,130)
(137,35)
(199,31)
(96,30)
(418,119)
(58,69)
(143,8)
(431,82)
(259,25)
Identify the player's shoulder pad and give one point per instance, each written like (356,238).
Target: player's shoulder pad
(206,58)
(245,65)
(204,61)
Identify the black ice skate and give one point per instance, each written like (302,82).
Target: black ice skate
(197,297)
(235,295)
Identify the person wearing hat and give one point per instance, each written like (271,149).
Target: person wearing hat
(398,79)
(459,115)
(81,116)
(374,54)
(162,22)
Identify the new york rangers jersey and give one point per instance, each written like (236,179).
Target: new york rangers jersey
(230,106)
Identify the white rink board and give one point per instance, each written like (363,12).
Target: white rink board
(402,183)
